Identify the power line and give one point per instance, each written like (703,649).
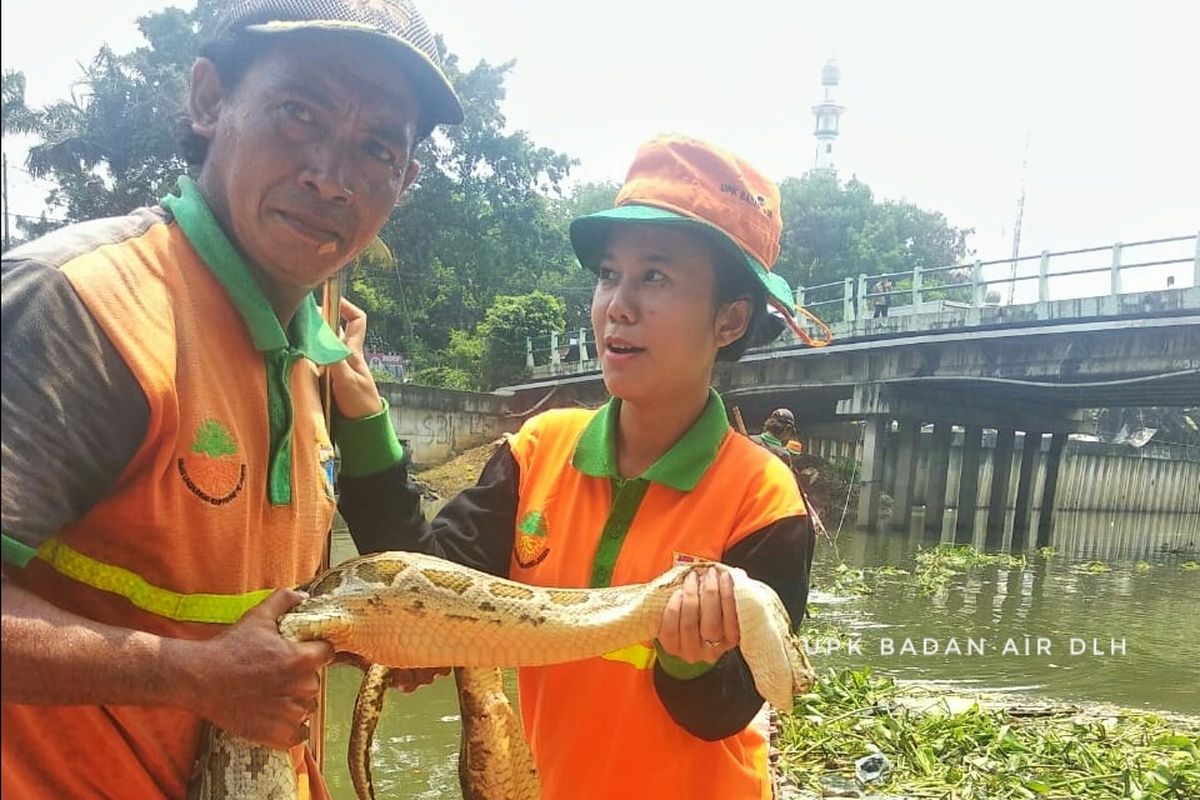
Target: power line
(37,217)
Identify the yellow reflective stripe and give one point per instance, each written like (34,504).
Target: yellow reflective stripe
(638,655)
(199,607)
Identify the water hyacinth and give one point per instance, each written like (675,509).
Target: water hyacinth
(997,753)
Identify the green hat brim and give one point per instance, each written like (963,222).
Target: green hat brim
(589,234)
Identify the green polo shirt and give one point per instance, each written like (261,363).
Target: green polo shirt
(368,445)
(680,468)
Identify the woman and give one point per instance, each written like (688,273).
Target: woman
(653,478)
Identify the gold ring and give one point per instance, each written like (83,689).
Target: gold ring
(713,644)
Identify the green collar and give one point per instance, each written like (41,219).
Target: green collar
(681,467)
(309,335)
(769,439)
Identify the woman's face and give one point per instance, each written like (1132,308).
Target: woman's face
(655,316)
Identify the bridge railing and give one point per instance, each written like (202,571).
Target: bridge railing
(849,305)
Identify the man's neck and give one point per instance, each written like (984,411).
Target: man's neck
(284,300)
(645,434)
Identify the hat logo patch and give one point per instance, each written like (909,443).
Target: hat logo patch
(740,192)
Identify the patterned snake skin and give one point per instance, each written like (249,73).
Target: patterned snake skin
(408,610)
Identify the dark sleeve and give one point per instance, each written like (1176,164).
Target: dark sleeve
(723,700)
(383,510)
(475,529)
(73,416)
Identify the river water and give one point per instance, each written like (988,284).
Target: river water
(1129,636)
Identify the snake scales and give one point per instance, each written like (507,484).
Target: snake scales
(410,610)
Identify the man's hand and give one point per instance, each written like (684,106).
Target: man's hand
(354,390)
(700,620)
(252,682)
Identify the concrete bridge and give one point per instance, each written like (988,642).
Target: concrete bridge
(950,354)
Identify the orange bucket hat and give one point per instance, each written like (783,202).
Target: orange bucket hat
(676,180)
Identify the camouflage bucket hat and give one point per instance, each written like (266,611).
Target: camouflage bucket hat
(396,22)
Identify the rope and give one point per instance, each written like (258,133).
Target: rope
(849,491)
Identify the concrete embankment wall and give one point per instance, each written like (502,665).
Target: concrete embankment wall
(436,424)
(1094,476)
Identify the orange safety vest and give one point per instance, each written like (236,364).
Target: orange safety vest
(597,727)
(192,535)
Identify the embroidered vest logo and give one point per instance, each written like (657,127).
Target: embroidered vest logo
(211,469)
(529,545)
(325,457)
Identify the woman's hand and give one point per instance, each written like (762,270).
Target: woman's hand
(354,391)
(700,620)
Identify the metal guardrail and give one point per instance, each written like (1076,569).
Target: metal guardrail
(847,303)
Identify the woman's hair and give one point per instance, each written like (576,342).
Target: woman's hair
(231,56)
(735,281)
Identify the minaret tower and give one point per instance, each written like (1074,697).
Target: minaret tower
(826,115)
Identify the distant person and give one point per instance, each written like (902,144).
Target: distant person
(883,299)
(778,436)
(778,430)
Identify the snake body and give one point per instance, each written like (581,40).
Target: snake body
(408,610)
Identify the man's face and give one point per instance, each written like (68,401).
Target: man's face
(308,154)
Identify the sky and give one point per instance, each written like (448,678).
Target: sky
(945,101)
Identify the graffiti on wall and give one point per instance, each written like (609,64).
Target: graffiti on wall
(392,364)
(434,435)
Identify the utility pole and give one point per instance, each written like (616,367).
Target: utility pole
(7,239)
(1016,251)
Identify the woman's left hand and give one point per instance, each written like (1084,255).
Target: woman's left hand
(354,390)
(700,620)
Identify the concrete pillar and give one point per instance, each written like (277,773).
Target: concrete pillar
(891,456)
(968,485)
(1001,477)
(1050,489)
(906,473)
(1196,264)
(978,290)
(1030,446)
(848,300)
(871,477)
(1042,309)
(935,493)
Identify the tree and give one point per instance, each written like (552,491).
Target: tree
(17,117)
(504,330)
(486,222)
(481,221)
(110,147)
(833,231)
(574,285)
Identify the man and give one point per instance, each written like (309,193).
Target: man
(883,298)
(164,453)
(778,430)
